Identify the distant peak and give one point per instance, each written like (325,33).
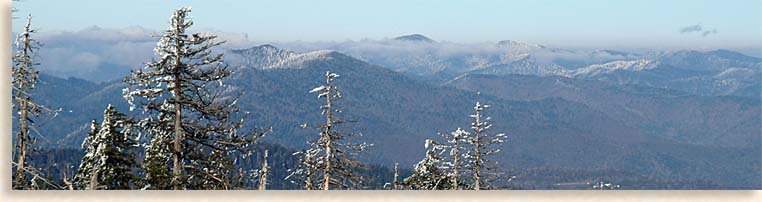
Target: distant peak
(265,46)
(724,53)
(260,49)
(727,53)
(414,37)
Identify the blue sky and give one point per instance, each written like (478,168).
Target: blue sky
(635,23)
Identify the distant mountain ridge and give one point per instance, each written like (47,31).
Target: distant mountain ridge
(675,115)
(397,113)
(414,38)
(718,72)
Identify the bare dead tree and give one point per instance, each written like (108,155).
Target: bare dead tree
(338,153)
(303,173)
(263,172)
(482,142)
(456,141)
(395,183)
(24,78)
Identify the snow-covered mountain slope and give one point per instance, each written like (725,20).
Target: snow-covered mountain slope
(421,56)
(270,57)
(397,113)
(262,56)
(597,69)
(527,65)
(712,61)
(718,72)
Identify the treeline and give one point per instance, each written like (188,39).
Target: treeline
(54,162)
(188,134)
(552,178)
(59,162)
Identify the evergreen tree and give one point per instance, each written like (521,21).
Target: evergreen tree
(431,173)
(84,175)
(109,161)
(192,116)
(158,155)
(482,144)
(337,153)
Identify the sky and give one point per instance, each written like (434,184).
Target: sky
(635,23)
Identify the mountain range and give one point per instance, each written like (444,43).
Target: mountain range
(661,116)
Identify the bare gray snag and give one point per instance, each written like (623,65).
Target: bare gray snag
(395,183)
(482,142)
(24,80)
(263,172)
(337,160)
(456,140)
(303,172)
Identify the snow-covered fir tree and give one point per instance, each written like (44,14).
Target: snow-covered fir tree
(109,161)
(192,117)
(432,172)
(24,78)
(158,155)
(84,175)
(482,146)
(337,157)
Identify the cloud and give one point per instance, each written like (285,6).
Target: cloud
(708,32)
(697,28)
(692,28)
(422,57)
(96,53)
(99,54)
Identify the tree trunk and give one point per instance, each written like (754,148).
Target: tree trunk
(327,134)
(21,138)
(93,179)
(477,152)
(308,179)
(455,164)
(263,173)
(396,175)
(177,154)
(21,99)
